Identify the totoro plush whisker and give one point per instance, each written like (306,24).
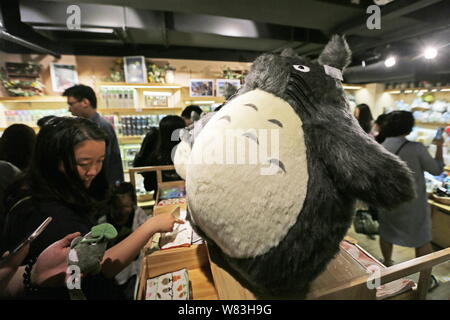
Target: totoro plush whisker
(275,121)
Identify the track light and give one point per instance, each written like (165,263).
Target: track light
(430,53)
(389,62)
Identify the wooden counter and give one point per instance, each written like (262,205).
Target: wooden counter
(440,216)
(193,258)
(341,271)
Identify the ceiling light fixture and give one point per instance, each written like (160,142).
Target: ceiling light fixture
(389,62)
(430,53)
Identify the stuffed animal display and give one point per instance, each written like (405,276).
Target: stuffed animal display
(87,253)
(272,178)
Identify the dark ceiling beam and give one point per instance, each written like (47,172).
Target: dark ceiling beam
(160,51)
(232,27)
(393,10)
(13,30)
(401,35)
(93,15)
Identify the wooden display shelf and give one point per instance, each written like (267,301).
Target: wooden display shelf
(130,139)
(141,85)
(431,125)
(346,279)
(139,111)
(440,216)
(34,99)
(193,258)
(415,90)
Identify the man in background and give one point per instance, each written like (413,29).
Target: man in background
(83,103)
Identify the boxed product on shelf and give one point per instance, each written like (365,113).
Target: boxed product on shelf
(436,111)
(136,125)
(169,286)
(172,193)
(30,117)
(153,100)
(118,97)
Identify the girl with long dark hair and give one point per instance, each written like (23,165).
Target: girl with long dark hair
(66,181)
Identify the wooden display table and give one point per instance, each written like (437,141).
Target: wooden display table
(345,279)
(193,258)
(345,276)
(440,216)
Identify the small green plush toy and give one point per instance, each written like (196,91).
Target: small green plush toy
(87,254)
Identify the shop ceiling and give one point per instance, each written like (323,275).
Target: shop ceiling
(232,30)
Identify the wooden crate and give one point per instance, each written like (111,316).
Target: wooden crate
(440,215)
(193,258)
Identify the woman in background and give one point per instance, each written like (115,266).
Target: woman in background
(17,144)
(364,116)
(409,225)
(161,155)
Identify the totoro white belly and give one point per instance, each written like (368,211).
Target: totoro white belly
(247,174)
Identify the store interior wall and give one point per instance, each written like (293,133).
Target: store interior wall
(94,69)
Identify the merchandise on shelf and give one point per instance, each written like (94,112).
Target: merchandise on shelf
(30,117)
(128,153)
(436,111)
(156,99)
(136,125)
(118,97)
(169,286)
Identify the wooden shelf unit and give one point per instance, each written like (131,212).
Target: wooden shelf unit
(416,90)
(193,258)
(440,216)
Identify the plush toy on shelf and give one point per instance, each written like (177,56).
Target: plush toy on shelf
(87,254)
(275,205)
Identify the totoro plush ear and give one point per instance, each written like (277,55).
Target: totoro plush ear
(336,53)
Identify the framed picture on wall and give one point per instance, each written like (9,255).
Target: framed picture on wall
(201,87)
(134,69)
(221,83)
(63,76)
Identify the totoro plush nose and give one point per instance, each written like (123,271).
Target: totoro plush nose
(255,140)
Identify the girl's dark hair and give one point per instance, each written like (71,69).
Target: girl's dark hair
(167,140)
(365,117)
(42,121)
(397,123)
(17,145)
(123,188)
(54,151)
(379,121)
(187,112)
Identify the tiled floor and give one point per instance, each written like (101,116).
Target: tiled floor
(401,254)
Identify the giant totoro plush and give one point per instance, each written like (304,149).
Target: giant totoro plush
(272,177)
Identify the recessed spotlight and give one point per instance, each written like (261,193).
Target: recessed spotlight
(430,53)
(389,62)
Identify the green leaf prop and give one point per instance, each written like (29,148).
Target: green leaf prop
(104,230)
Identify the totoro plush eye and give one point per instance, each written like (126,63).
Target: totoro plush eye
(301,68)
